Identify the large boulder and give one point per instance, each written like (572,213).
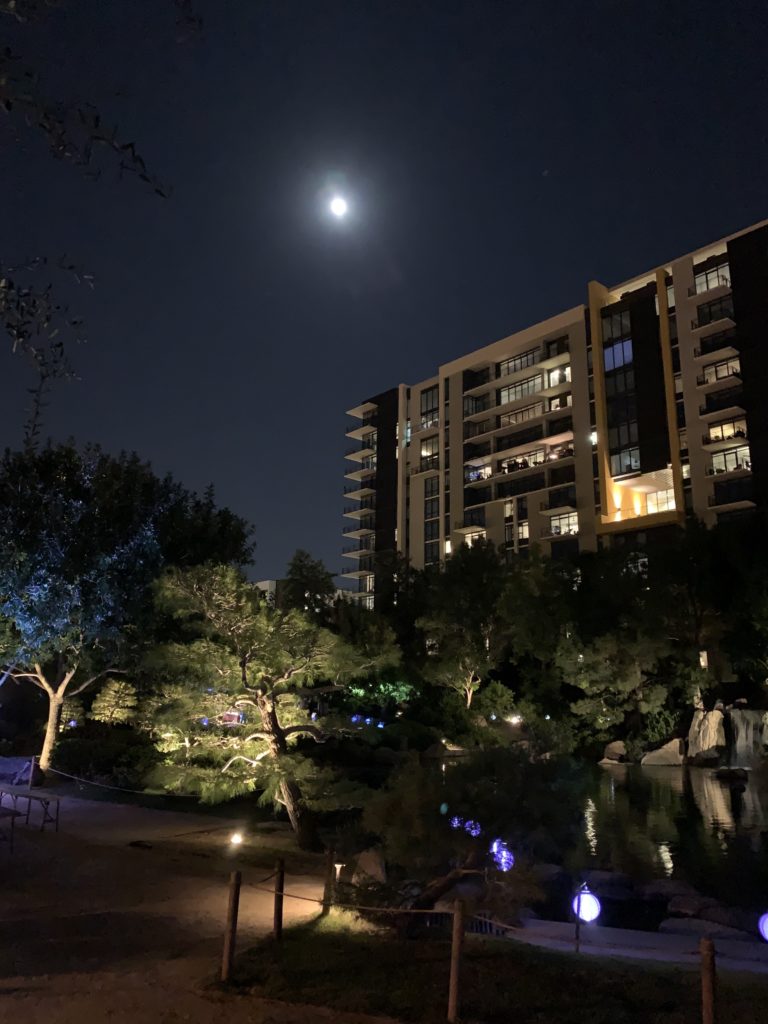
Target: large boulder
(706,738)
(670,754)
(370,867)
(616,751)
(690,906)
(610,884)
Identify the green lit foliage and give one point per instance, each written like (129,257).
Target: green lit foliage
(115,703)
(462,627)
(245,656)
(82,537)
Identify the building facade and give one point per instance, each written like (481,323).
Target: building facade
(630,413)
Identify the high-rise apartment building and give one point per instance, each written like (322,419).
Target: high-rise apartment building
(627,414)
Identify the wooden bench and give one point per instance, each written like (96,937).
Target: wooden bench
(11,815)
(49,803)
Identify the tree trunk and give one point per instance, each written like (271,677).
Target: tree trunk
(299,815)
(51,729)
(301,818)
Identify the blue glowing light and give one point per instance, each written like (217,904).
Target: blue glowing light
(473,827)
(355,719)
(492,717)
(368,721)
(762,926)
(72,723)
(586,905)
(204,721)
(503,857)
(456,822)
(379,725)
(313,716)
(443,808)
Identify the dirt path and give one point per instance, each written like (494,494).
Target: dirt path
(92,929)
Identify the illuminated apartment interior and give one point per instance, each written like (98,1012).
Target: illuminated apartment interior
(633,412)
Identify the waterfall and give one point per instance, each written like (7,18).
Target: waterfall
(749,737)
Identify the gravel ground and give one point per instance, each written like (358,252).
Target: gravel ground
(92,929)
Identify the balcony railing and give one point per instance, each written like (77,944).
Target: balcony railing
(559,531)
(732,398)
(737,435)
(362,548)
(704,378)
(358,527)
(715,342)
(721,281)
(369,481)
(363,446)
(745,464)
(425,464)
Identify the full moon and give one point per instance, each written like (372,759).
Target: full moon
(339,206)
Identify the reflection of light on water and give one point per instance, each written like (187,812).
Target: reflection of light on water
(666,859)
(589,826)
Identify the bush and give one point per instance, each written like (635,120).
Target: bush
(117,756)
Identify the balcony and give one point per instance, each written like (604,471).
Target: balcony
(363,528)
(357,571)
(553,531)
(361,550)
(716,444)
(704,380)
(426,464)
(359,430)
(724,318)
(363,450)
(733,495)
(737,469)
(715,281)
(721,341)
(361,489)
(363,509)
(558,505)
(365,471)
(720,401)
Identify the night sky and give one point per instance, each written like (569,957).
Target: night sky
(498,155)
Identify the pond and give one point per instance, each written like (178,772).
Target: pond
(681,823)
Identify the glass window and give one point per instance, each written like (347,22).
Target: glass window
(568,523)
(473,538)
(718,309)
(429,402)
(431,486)
(661,501)
(430,446)
(432,529)
(618,354)
(616,325)
(528,412)
(730,428)
(509,509)
(515,391)
(432,508)
(734,458)
(432,552)
(560,375)
(523,532)
(704,280)
(516,363)
(626,461)
(718,371)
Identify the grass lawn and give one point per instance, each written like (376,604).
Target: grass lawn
(339,963)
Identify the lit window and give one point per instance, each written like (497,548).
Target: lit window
(523,532)
(562,375)
(566,524)
(516,391)
(447,547)
(734,458)
(661,501)
(714,278)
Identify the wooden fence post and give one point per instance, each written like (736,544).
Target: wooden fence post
(230,934)
(457,943)
(708,982)
(277,927)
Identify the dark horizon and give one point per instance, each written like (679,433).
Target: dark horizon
(496,161)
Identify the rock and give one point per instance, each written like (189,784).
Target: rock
(732,774)
(616,751)
(667,888)
(602,880)
(22,776)
(370,867)
(670,754)
(696,927)
(690,906)
(706,738)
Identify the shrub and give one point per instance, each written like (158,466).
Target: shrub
(117,756)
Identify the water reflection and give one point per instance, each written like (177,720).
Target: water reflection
(683,823)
